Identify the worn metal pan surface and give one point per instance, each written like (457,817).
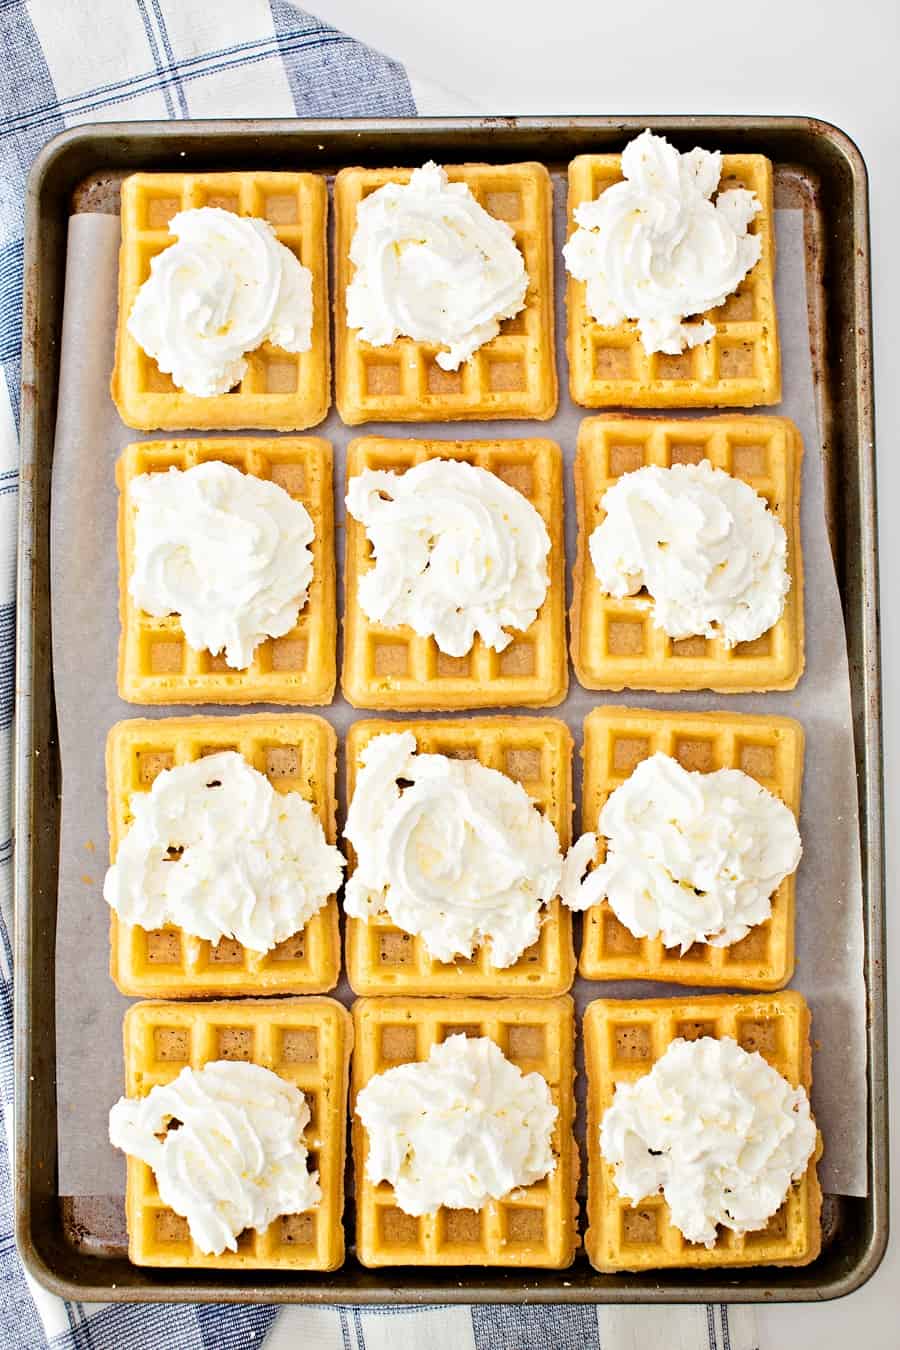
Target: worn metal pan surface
(74,1246)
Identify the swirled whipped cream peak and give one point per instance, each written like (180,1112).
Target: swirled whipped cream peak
(711,554)
(225,550)
(225,1143)
(691,857)
(433,265)
(458,553)
(215,850)
(226,286)
(657,248)
(717,1130)
(459,1129)
(449,850)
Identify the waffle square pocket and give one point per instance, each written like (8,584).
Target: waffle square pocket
(739,367)
(536,752)
(535,1225)
(306,1041)
(156,665)
(296,752)
(282,389)
(514,375)
(615,644)
(623,1040)
(395,667)
(768,749)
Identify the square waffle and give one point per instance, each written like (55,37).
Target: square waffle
(536,752)
(615,645)
(769,749)
(306,1041)
(737,368)
(289,390)
(156,665)
(623,1039)
(535,1225)
(296,752)
(514,375)
(394,667)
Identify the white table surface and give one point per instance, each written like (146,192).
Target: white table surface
(827,58)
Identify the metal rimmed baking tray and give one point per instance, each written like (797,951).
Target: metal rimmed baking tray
(75,1247)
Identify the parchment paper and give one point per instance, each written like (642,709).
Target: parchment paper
(89,437)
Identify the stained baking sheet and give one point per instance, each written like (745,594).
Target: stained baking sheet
(85,629)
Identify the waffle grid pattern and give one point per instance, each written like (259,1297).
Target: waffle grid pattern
(305,1041)
(623,1039)
(394,667)
(532,1226)
(615,644)
(770,750)
(739,367)
(535,751)
(514,375)
(296,752)
(280,389)
(156,665)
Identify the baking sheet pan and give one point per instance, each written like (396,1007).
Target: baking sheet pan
(77,1245)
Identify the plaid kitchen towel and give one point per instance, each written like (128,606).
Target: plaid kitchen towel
(63,62)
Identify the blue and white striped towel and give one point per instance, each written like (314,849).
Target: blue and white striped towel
(62,63)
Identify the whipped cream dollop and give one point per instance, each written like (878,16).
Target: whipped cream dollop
(719,1131)
(433,265)
(215,850)
(223,289)
(459,1129)
(691,857)
(656,248)
(704,544)
(226,551)
(458,552)
(449,850)
(225,1145)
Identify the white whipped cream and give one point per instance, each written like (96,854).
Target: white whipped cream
(448,850)
(215,850)
(459,1129)
(226,551)
(706,546)
(433,265)
(714,1128)
(458,552)
(235,1161)
(655,248)
(226,287)
(691,857)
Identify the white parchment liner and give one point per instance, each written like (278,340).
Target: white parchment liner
(89,437)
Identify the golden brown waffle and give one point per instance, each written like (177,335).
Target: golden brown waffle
(280,389)
(615,644)
(306,1041)
(770,750)
(514,375)
(536,752)
(533,1226)
(623,1039)
(156,665)
(739,367)
(296,752)
(394,667)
